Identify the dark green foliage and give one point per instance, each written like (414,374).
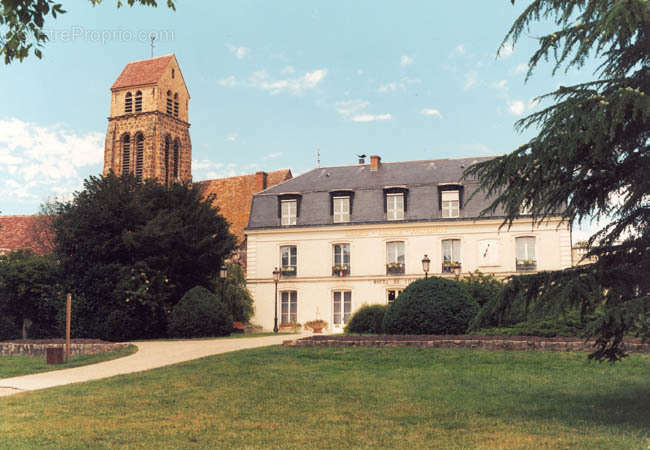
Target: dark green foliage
(9,329)
(482,288)
(589,159)
(30,290)
(136,248)
(200,313)
(24,22)
(367,319)
(431,306)
(237,299)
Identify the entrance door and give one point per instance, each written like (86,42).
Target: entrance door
(341,308)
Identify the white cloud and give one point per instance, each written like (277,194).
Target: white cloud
(532,103)
(501,85)
(406,61)
(239,52)
(371,117)
(520,68)
(233,137)
(432,112)
(272,156)
(459,50)
(389,87)
(517,107)
(37,160)
(505,51)
(354,110)
(261,80)
(471,80)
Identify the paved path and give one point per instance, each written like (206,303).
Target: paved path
(150,355)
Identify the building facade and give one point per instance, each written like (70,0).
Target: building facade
(347,236)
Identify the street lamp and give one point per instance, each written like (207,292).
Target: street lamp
(426,263)
(223,273)
(276,278)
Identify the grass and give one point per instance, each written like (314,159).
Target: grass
(336,397)
(13,366)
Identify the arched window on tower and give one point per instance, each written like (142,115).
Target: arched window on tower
(177,150)
(176,105)
(169,102)
(128,103)
(126,154)
(168,144)
(139,156)
(138,101)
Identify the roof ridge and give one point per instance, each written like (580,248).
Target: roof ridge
(150,59)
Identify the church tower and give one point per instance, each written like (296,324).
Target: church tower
(148,129)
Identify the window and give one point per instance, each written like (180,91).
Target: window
(128,103)
(525,249)
(450,203)
(450,255)
(392,295)
(126,154)
(289,211)
(173,73)
(177,148)
(138,101)
(341,267)
(395,206)
(176,105)
(341,208)
(169,102)
(394,257)
(288,258)
(289,308)
(168,145)
(139,155)
(341,308)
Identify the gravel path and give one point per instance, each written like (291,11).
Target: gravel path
(150,355)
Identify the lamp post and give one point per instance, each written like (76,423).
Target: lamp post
(276,278)
(426,263)
(223,273)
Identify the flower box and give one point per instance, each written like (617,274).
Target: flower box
(526,266)
(395,268)
(341,270)
(288,271)
(451,267)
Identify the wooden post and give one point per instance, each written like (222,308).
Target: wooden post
(68,313)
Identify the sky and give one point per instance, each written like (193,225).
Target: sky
(274,84)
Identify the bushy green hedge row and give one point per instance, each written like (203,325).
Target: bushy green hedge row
(367,319)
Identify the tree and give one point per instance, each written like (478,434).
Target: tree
(236,297)
(25,19)
(135,248)
(590,159)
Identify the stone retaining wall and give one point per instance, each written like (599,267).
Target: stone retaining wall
(7,349)
(488,344)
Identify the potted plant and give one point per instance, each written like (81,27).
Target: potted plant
(395,267)
(449,266)
(289,327)
(317,325)
(526,264)
(340,270)
(288,271)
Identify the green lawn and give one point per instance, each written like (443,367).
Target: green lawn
(12,366)
(346,397)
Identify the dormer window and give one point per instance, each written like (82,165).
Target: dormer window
(450,204)
(176,105)
(341,205)
(395,202)
(289,209)
(169,102)
(128,103)
(138,101)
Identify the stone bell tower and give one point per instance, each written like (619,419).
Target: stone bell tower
(148,129)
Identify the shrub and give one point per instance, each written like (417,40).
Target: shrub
(483,288)
(8,328)
(367,319)
(431,306)
(199,313)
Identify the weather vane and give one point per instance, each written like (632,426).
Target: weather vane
(153,38)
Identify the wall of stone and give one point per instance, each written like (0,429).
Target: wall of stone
(8,349)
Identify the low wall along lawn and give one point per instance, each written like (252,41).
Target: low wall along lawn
(38,348)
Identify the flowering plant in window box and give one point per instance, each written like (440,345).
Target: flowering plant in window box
(395,267)
(526,264)
(450,266)
(316,325)
(290,327)
(340,270)
(288,271)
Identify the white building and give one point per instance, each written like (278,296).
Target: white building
(353,235)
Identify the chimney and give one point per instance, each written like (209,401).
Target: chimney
(260,181)
(375,161)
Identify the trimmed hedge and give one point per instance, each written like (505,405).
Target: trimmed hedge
(200,313)
(367,319)
(431,306)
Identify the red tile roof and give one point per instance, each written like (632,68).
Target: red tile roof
(235,194)
(25,232)
(147,71)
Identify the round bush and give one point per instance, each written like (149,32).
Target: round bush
(199,313)
(367,319)
(431,306)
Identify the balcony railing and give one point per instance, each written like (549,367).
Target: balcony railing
(394,268)
(288,271)
(341,270)
(526,265)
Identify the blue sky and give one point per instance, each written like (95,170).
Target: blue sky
(270,84)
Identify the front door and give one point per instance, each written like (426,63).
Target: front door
(341,308)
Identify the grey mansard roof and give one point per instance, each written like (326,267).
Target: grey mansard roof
(421,179)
